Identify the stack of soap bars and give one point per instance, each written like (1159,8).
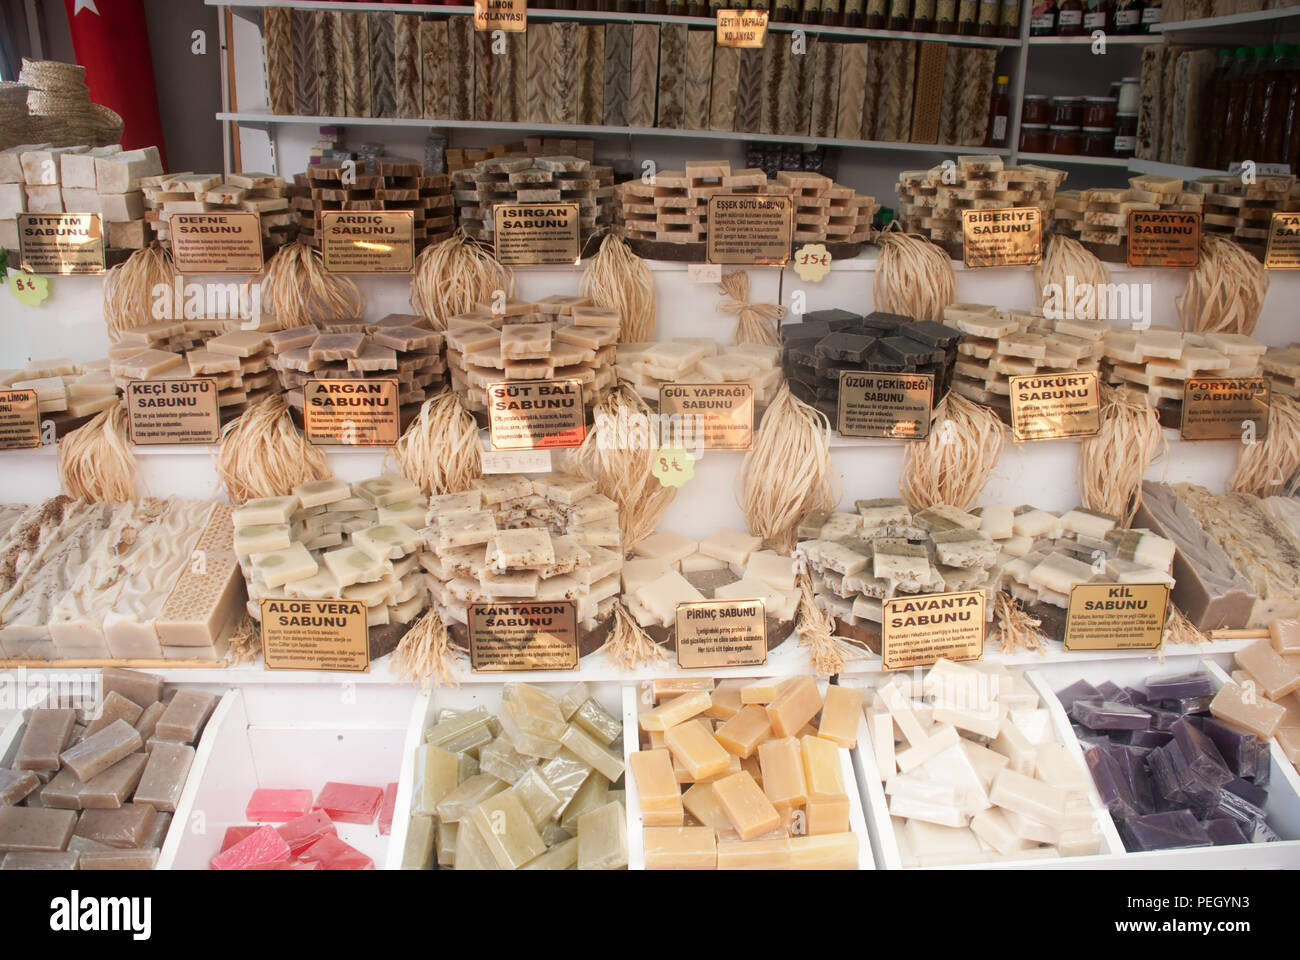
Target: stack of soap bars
(534,787)
(478,188)
(1176,764)
(747,775)
(67,393)
(1282,367)
(399,347)
(885,550)
(827,342)
(558,338)
(1270,671)
(94,581)
(260,193)
(1157,363)
(669,569)
(649,366)
(330,540)
(515,538)
(1099,217)
(96,790)
(974,770)
(306,835)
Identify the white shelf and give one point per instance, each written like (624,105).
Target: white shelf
(611,16)
(269,119)
(1086,40)
(1074,159)
(1259,18)
(1172,170)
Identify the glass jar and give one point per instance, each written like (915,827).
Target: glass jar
(1042,18)
(1126,129)
(1067,111)
(1098,141)
(1069,18)
(1033,138)
(1130,95)
(1099,111)
(1065,139)
(1035,109)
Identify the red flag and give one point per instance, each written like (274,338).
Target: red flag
(111,41)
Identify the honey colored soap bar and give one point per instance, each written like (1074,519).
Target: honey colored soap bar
(781,763)
(742,734)
(592,752)
(677,710)
(656,784)
(602,839)
(796,705)
(841,714)
(1275,676)
(774,854)
(821,768)
(750,812)
(680,848)
(831,851)
(697,750)
(507,830)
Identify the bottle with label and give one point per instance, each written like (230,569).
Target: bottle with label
(1216,99)
(854,13)
(1291,143)
(703,8)
(1009,19)
(876,14)
(1270,106)
(1238,109)
(1126,129)
(1151,15)
(923,16)
(1069,18)
(900,14)
(945,16)
(1128,16)
(967,17)
(783,12)
(1042,18)
(1098,15)
(990,11)
(999,114)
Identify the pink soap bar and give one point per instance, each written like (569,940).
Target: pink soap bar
(278,806)
(234,835)
(387,809)
(333,854)
(350,802)
(302,833)
(262,846)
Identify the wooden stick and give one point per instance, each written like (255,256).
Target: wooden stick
(128,664)
(1246,633)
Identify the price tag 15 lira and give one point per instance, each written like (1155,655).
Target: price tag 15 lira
(673,466)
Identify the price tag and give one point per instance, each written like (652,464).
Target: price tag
(1007,237)
(315,635)
(918,630)
(505,637)
(812,262)
(1283,242)
(1164,238)
(673,466)
(29,289)
(515,461)
(721,633)
(1116,616)
(741,28)
(1055,406)
(508,15)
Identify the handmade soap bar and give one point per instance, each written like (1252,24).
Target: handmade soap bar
(742,734)
(841,714)
(602,839)
(146,859)
(277,806)
(110,789)
(15,785)
(680,848)
(677,710)
(331,853)
(1109,715)
(1234,705)
(751,813)
(1275,676)
(781,764)
(656,784)
(139,688)
(304,831)
(124,827)
(259,848)
(39,861)
(593,753)
(697,750)
(45,736)
(508,830)
(185,716)
(349,803)
(98,752)
(821,767)
(165,775)
(794,706)
(35,829)
(774,854)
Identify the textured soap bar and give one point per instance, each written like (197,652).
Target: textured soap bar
(277,806)
(35,829)
(184,718)
(259,848)
(350,803)
(165,775)
(45,735)
(98,752)
(125,827)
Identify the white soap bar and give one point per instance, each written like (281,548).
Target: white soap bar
(1057,767)
(665,545)
(772,568)
(663,595)
(279,567)
(1029,797)
(1036,725)
(697,563)
(731,546)
(914,809)
(916,787)
(893,700)
(984,723)
(880,724)
(997,523)
(987,764)
(1088,523)
(954,767)
(1012,743)
(993,827)
(927,749)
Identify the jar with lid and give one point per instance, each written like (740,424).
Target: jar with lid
(1128,16)
(1099,111)
(1034,138)
(1098,15)
(1034,109)
(1069,18)
(1067,111)
(1098,141)
(1065,139)
(1042,18)
(1129,99)
(1126,129)
(945,16)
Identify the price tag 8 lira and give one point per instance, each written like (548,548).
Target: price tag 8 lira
(29,289)
(673,466)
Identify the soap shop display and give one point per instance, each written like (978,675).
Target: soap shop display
(1177,764)
(648,367)
(745,775)
(50,103)
(291,831)
(1099,218)
(537,785)
(546,179)
(67,394)
(975,770)
(95,788)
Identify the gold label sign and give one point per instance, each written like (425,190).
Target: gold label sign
(1008,237)
(217,242)
(718,416)
(1160,238)
(1283,242)
(537,232)
(536,414)
(20,420)
(315,635)
(65,244)
(1116,616)
(1055,406)
(890,406)
(916,631)
(508,15)
(750,229)
(1225,408)
(351,413)
(380,242)
(505,637)
(173,411)
(721,633)
(741,28)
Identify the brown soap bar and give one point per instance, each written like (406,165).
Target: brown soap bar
(123,828)
(140,688)
(165,775)
(46,734)
(15,785)
(148,722)
(336,346)
(373,358)
(98,752)
(407,338)
(185,716)
(39,861)
(34,828)
(110,789)
(145,859)
(63,792)
(116,707)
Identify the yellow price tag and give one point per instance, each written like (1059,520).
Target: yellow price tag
(29,289)
(812,262)
(673,466)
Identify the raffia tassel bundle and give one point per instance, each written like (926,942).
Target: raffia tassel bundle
(827,653)
(953,463)
(297,292)
(619,454)
(455,276)
(1266,466)
(262,454)
(617,278)
(129,289)
(440,451)
(788,473)
(1065,258)
(96,462)
(914,277)
(425,655)
(1113,463)
(1017,630)
(755,322)
(1225,292)
(629,646)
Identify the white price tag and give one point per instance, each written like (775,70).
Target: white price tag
(516,461)
(704,272)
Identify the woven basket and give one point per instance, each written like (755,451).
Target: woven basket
(49,74)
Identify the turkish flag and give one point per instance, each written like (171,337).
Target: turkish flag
(111,40)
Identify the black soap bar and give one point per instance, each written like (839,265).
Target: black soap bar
(931,333)
(804,331)
(830,369)
(849,347)
(904,350)
(836,319)
(885,321)
(828,390)
(802,374)
(800,353)
(803,392)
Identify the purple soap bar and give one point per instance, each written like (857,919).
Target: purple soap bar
(1187,706)
(1133,764)
(1164,777)
(1161,719)
(1179,686)
(1224,832)
(1250,792)
(1236,747)
(1111,783)
(1263,833)
(1149,739)
(1230,806)
(1136,696)
(1201,753)
(1166,831)
(1109,715)
(1109,691)
(1201,791)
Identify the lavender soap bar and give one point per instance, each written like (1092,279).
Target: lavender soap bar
(1109,715)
